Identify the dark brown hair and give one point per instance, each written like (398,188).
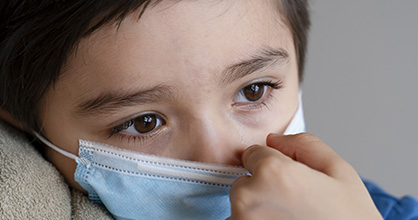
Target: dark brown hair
(36,37)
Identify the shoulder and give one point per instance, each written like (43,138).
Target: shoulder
(405,208)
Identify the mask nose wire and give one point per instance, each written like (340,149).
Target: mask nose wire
(59,150)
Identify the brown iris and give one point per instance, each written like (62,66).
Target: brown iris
(145,123)
(253,92)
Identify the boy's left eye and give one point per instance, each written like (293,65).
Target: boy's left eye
(255,92)
(145,123)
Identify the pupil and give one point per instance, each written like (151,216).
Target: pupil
(253,92)
(145,123)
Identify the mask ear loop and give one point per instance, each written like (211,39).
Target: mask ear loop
(59,150)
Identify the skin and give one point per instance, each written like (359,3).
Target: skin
(187,47)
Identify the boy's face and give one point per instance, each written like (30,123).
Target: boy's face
(191,80)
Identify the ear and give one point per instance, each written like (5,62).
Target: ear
(7,117)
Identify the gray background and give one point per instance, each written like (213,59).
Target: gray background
(360,88)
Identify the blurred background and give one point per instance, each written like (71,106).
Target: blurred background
(360,89)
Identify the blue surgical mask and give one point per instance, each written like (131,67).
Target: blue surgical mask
(134,185)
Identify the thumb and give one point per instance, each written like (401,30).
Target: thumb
(310,150)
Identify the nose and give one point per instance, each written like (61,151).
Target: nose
(215,139)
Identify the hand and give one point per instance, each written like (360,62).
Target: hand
(299,177)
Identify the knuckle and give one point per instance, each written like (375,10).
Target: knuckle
(343,165)
(269,165)
(241,198)
(275,171)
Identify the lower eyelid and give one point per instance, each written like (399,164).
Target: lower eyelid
(141,139)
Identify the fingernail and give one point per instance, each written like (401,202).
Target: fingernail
(275,135)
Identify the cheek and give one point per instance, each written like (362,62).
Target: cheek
(57,124)
(255,130)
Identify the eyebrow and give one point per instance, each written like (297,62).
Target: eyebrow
(264,58)
(111,101)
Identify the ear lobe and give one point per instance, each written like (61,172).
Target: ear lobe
(7,117)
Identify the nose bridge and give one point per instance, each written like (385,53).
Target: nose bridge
(216,138)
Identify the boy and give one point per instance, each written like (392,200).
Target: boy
(104,85)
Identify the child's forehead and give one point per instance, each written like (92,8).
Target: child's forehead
(182,16)
(184,39)
(191,26)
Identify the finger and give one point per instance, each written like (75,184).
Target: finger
(311,151)
(246,202)
(257,156)
(239,196)
(238,184)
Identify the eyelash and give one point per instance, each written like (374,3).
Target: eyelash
(274,85)
(134,138)
(142,138)
(121,127)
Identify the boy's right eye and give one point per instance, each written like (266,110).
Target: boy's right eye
(140,125)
